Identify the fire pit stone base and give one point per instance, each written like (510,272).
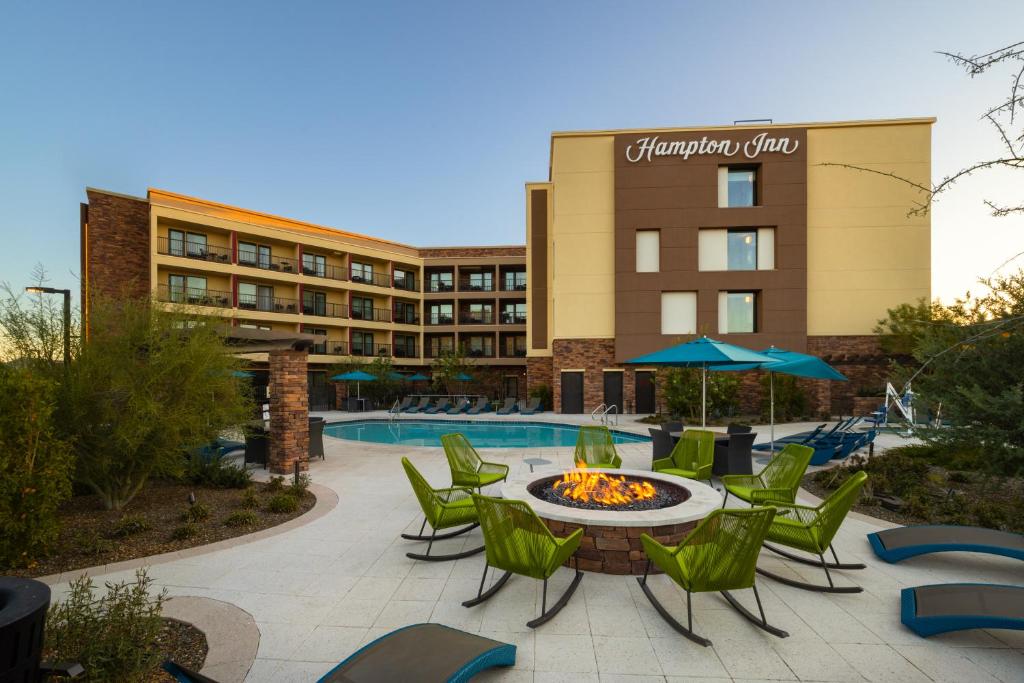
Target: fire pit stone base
(617,549)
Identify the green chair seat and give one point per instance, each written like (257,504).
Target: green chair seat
(595,448)
(812,529)
(442,509)
(692,457)
(467,467)
(776,483)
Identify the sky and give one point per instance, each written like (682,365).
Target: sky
(421,121)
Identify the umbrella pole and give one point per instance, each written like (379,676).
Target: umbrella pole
(704,396)
(771,389)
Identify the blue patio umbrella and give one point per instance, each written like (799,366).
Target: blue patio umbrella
(463,377)
(397,376)
(241,374)
(418,378)
(703,353)
(356,376)
(789,363)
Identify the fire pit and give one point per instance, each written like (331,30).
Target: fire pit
(613,507)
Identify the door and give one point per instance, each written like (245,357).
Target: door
(572,392)
(644,392)
(613,390)
(320,392)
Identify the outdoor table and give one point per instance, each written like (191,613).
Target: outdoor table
(536,461)
(719,436)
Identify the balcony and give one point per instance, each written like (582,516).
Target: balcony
(325,310)
(512,318)
(280,264)
(326,271)
(369,349)
(377,279)
(483,318)
(405,318)
(440,319)
(269,304)
(511,284)
(438,286)
(405,351)
(484,352)
(199,252)
(194,297)
(408,283)
(437,352)
(467,285)
(380,315)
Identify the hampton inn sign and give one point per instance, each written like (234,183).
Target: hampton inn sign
(649,147)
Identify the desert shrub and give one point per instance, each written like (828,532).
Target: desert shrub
(113,635)
(283,502)
(185,531)
(93,543)
(35,467)
(242,518)
(195,513)
(249,499)
(216,471)
(129,525)
(275,484)
(300,486)
(543,392)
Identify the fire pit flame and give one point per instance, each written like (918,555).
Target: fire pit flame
(595,486)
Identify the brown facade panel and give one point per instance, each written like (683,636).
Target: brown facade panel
(538,268)
(115,246)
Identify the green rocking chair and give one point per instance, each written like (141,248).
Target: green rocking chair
(692,457)
(443,509)
(719,555)
(776,483)
(468,468)
(518,542)
(596,448)
(811,529)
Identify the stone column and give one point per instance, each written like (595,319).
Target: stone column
(289,411)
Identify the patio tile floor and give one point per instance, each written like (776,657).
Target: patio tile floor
(320,591)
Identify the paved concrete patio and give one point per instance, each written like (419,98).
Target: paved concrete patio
(320,591)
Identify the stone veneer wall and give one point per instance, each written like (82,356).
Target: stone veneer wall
(471,252)
(592,356)
(289,411)
(538,372)
(115,258)
(616,549)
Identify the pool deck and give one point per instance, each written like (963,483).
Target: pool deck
(320,590)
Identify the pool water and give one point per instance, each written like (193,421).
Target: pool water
(480,434)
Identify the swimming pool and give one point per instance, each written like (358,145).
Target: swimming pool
(482,434)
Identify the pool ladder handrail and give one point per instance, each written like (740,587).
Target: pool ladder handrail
(394,413)
(605,413)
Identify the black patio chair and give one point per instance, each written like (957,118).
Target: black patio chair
(316,438)
(736,428)
(734,457)
(661,444)
(23,606)
(257,446)
(672,426)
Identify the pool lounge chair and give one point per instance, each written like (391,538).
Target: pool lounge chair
(894,545)
(182,674)
(531,408)
(440,406)
(508,408)
(801,438)
(423,652)
(927,610)
(401,407)
(459,407)
(419,407)
(481,406)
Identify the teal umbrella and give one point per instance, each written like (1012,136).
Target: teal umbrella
(463,377)
(418,378)
(397,376)
(356,376)
(241,374)
(702,353)
(788,363)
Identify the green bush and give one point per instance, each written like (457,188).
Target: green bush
(543,392)
(275,484)
(129,525)
(35,467)
(195,513)
(283,502)
(113,636)
(242,518)
(299,487)
(216,472)
(790,399)
(92,543)
(185,531)
(249,499)
(681,388)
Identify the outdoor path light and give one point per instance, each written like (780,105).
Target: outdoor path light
(67,317)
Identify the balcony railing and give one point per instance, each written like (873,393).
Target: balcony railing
(186,249)
(438,286)
(369,349)
(270,304)
(513,285)
(480,353)
(440,319)
(378,279)
(478,286)
(432,352)
(281,264)
(408,283)
(510,318)
(405,351)
(486,318)
(326,271)
(405,318)
(327,310)
(194,296)
(513,353)
(380,315)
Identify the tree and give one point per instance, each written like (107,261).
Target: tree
(681,388)
(32,325)
(447,366)
(150,384)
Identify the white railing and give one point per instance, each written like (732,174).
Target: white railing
(607,414)
(394,412)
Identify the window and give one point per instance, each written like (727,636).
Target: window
(195,245)
(255,297)
(405,312)
(515,280)
(362,272)
(648,251)
(405,346)
(513,313)
(181,243)
(362,343)
(254,326)
(176,288)
(737,312)
(187,289)
(320,347)
(441,314)
(314,303)
(477,346)
(314,264)
(247,253)
(736,249)
(515,346)
(679,312)
(175,242)
(480,313)
(404,279)
(441,282)
(440,346)
(362,308)
(737,186)
(481,282)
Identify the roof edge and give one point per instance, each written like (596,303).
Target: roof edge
(814,124)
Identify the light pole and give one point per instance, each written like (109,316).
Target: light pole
(67,317)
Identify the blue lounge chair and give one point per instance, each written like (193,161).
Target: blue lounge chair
(418,407)
(927,610)
(423,652)
(482,406)
(459,407)
(508,408)
(440,406)
(531,408)
(800,439)
(894,545)
(183,674)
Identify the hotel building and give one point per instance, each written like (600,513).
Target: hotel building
(793,235)
(368,296)
(789,235)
